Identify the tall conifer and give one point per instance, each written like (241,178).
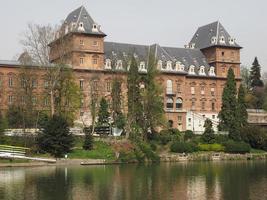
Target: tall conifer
(255,74)
(242,110)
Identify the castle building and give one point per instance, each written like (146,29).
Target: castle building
(192,77)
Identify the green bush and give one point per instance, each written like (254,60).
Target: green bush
(148,152)
(237,147)
(127,156)
(188,135)
(168,135)
(211,147)
(221,139)
(183,147)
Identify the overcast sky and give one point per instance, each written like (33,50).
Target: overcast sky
(166,22)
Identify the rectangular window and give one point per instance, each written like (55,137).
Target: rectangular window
(108,86)
(193,105)
(46,101)
(81,84)
(81,42)
(202,90)
(34,101)
(213,116)
(95,43)
(81,61)
(0,81)
(192,90)
(178,88)
(10,99)
(10,82)
(34,83)
(94,61)
(212,106)
(46,84)
(179,118)
(189,120)
(202,105)
(212,91)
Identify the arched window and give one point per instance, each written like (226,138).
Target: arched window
(179,103)
(169,65)
(213,106)
(108,64)
(170,122)
(142,66)
(211,71)
(169,87)
(119,64)
(222,40)
(169,103)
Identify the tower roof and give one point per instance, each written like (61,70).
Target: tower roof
(213,34)
(80,21)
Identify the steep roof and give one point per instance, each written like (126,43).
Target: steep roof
(79,20)
(212,35)
(185,56)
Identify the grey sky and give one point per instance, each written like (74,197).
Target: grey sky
(166,22)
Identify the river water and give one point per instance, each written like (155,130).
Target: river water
(193,180)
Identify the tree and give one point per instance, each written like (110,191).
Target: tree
(118,117)
(152,99)
(88,140)
(255,74)
(135,108)
(242,109)
(3,126)
(208,136)
(245,75)
(55,137)
(228,113)
(93,101)
(14,117)
(103,113)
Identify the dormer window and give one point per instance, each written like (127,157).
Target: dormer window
(142,66)
(94,29)
(192,45)
(222,40)
(231,41)
(192,69)
(212,71)
(80,28)
(108,64)
(213,40)
(202,70)
(119,64)
(169,65)
(159,64)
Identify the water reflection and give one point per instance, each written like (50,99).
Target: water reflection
(206,180)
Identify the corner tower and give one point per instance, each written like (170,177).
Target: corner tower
(79,42)
(219,48)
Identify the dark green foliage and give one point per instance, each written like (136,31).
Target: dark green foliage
(15,117)
(237,147)
(168,135)
(183,147)
(221,139)
(152,98)
(56,138)
(208,136)
(88,140)
(188,135)
(43,120)
(255,136)
(148,152)
(255,74)
(103,113)
(242,109)
(228,115)
(118,117)
(3,126)
(135,107)
(245,75)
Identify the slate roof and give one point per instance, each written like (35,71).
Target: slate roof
(185,56)
(80,15)
(203,37)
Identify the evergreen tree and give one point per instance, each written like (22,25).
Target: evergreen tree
(255,74)
(242,110)
(228,113)
(118,117)
(15,117)
(153,100)
(208,136)
(3,126)
(135,113)
(56,138)
(103,113)
(88,140)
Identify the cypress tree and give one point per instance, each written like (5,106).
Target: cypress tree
(228,113)
(255,74)
(135,113)
(242,109)
(103,113)
(153,100)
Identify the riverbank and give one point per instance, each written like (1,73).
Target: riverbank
(167,157)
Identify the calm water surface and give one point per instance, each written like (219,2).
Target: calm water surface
(193,180)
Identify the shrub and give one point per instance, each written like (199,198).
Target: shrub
(237,147)
(148,152)
(88,140)
(183,147)
(255,136)
(188,135)
(164,137)
(211,147)
(221,139)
